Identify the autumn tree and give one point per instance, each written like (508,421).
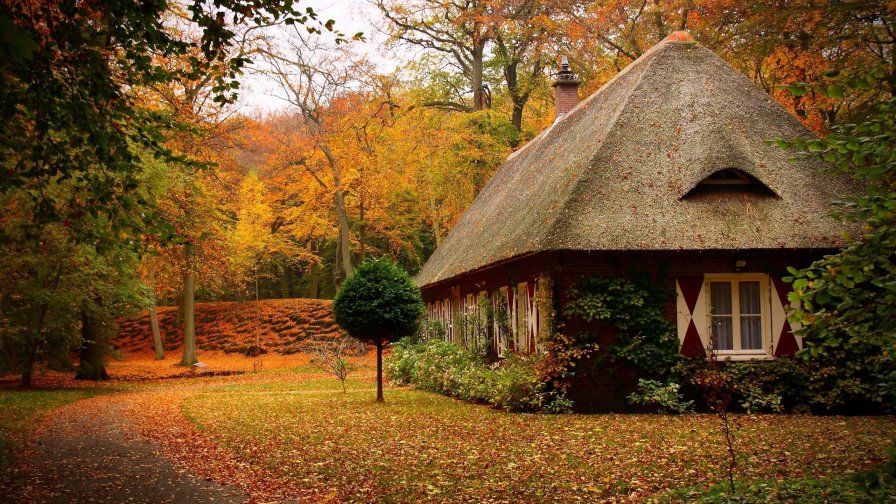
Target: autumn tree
(312,74)
(779,46)
(75,128)
(59,294)
(377,305)
(527,35)
(458,31)
(845,302)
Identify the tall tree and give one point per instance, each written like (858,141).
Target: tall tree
(71,72)
(312,74)
(526,30)
(459,30)
(778,45)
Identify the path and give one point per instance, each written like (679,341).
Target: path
(93,455)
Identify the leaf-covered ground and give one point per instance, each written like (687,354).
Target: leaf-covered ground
(17,411)
(308,439)
(293,435)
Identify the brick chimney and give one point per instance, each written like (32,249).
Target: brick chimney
(566,89)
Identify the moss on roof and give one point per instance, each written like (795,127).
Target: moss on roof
(611,173)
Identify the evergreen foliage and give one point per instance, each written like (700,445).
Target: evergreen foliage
(635,312)
(379,304)
(846,301)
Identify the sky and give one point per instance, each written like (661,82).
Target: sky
(259,94)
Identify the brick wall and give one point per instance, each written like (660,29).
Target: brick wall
(566,97)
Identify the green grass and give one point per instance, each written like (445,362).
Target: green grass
(18,410)
(798,491)
(421,446)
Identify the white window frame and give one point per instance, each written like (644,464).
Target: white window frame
(766,310)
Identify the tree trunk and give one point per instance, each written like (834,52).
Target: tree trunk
(511,78)
(313,281)
(154,318)
(93,348)
(379,371)
(30,355)
(256,350)
(337,259)
(179,318)
(344,239)
(284,282)
(339,200)
(516,117)
(189,321)
(436,227)
(31,344)
(156,334)
(479,98)
(362,231)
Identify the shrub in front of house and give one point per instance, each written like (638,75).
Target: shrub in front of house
(665,397)
(807,490)
(511,384)
(861,379)
(796,384)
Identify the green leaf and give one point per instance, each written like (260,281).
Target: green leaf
(835,91)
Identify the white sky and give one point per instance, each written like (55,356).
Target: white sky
(259,94)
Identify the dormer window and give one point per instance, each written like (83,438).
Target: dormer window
(729,183)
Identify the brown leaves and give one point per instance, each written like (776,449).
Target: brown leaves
(421,447)
(297,436)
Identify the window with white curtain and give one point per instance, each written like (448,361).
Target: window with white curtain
(739,314)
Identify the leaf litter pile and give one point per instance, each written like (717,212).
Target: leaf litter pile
(298,437)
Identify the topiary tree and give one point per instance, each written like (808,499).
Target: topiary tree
(378,304)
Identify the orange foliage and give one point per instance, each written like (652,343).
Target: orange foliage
(283,326)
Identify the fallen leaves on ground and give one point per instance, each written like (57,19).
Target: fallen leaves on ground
(292,434)
(303,439)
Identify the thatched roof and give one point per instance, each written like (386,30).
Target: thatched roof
(612,173)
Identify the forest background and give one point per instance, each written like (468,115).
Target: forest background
(185,190)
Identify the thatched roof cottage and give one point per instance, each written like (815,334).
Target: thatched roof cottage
(665,170)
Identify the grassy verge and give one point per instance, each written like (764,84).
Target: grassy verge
(18,410)
(424,447)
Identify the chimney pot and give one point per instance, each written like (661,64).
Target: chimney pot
(566,88)
(680,36)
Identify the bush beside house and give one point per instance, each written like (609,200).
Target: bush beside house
(645,349)
(447,368)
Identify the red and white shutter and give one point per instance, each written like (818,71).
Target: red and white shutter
(783,340)
(691,316)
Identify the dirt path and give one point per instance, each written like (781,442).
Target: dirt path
(92,454)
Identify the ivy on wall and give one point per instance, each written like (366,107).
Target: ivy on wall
(634,311)
(562,351)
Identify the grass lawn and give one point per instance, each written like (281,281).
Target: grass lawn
(420,446)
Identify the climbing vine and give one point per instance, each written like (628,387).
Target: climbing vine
(635,311)
(562,352)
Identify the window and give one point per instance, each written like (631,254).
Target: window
(729,182)
(738,314)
